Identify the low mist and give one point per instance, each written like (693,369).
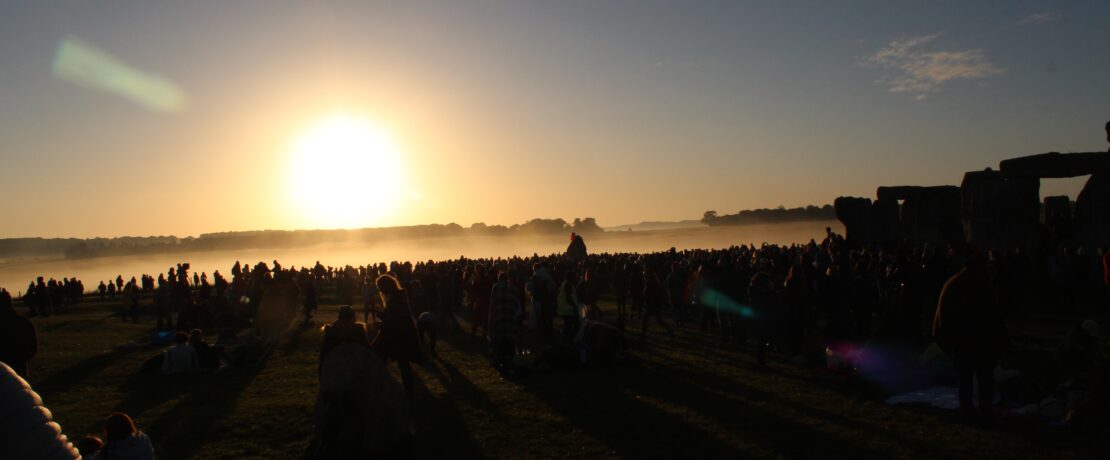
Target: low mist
(15,275)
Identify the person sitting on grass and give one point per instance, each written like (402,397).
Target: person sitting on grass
(208,356)
(123,441)
(181,358)
(345,329)
(89,446)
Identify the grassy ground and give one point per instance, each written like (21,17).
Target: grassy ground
(679,399)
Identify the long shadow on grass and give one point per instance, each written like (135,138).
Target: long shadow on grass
(294,341)
(65,379)
(641,413)
(459,386)
(440,428)
(748,389)
(726,391)
(66,324)
(196,417)
(205,400)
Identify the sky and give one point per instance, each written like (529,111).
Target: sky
(499,112)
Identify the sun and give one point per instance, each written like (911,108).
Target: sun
(344,172)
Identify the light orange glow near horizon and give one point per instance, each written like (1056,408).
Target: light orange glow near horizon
(344,171)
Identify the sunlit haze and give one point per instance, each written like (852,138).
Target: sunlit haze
(345,172)
(175,118)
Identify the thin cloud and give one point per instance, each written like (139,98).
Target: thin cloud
(1038,19)
(916,67)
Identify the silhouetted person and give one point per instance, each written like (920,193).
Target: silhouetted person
(88,446)
(397,339)
(655,300)
(310,301)
(636,290)
(505,308)
(968,326)
(541,286)
(796,293)
(1108,134)
(181,358)
(29,430)
(480,292)
(569,305)
(369,295)
(42,298)
(18,343)
(428,325)
(576,251)
(345,329)
(620,288)
(760,298)
(208,356)
(123,441)
(131,296)
(162,302)
(675,283)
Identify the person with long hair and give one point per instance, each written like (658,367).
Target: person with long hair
(397,339)
(123,441)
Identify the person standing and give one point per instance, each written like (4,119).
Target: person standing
(369,295)
(569,305)
(655,299)
(505,309)
(1108,134)
(397,339)
(676,283)
(968,325)
(541,286)
(18,342)
(310,298)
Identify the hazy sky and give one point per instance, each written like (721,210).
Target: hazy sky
(504,111)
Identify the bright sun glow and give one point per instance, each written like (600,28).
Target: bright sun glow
(345,172)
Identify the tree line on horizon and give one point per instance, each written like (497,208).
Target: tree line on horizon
(81,248)
(780,214)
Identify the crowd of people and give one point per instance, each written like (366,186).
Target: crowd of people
(803,301)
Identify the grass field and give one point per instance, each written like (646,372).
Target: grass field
(673,399)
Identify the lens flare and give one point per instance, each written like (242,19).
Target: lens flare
(84,65)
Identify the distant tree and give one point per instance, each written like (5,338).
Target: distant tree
(545,226)
(586,226)
(765,215)
(708,217)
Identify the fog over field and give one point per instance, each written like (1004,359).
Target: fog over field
(15,275)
